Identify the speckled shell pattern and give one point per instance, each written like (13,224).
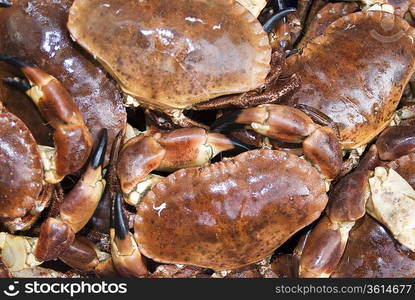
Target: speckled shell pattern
(356,73)
(174,54)
(21,173)
(231,213)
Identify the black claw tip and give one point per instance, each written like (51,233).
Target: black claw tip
(15,61)
(5,3)
(99,153)
(280,4)
(270,24)
(240,145)
(288,53)
(18,83)
(226,122)
(119,223)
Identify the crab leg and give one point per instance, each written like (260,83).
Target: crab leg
(165,151)
(326,242)
(125,260)
(126,256)
(354,195)
(287,124)
(101,219)
(57,234)
(256,97)
(16,256)
(73,141)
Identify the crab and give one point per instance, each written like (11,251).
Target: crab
(195,55)
(31,169)
(383,187)
(203,215)
(363,104)
(377,54)
(36,31)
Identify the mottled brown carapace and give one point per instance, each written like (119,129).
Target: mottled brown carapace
(355,73)
(229,214)
(174,54)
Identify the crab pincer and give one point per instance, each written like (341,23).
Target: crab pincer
(383,188)
(58,233)
(73,141)
(291,125)
(203,214)
(165,151)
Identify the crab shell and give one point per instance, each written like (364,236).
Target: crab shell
(21,173)
(356,72)
(174,54)
(254,6)
(229,214)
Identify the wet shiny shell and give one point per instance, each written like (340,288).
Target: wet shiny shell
(356,72)
(36,31)
(372,252)
(173,54)
(231,213)
(21,171)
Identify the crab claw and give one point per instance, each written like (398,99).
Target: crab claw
(20,84)
(73,141)
(287,124)
(166,151)
(83,255)
(396,141)
(126,256)
(57,234)
(5,3)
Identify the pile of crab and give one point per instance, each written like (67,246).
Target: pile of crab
(207,138)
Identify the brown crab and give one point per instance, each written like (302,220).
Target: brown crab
(175,56)
(35,30)
(377,57)
(383,186)
(205,215)
(28,170)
